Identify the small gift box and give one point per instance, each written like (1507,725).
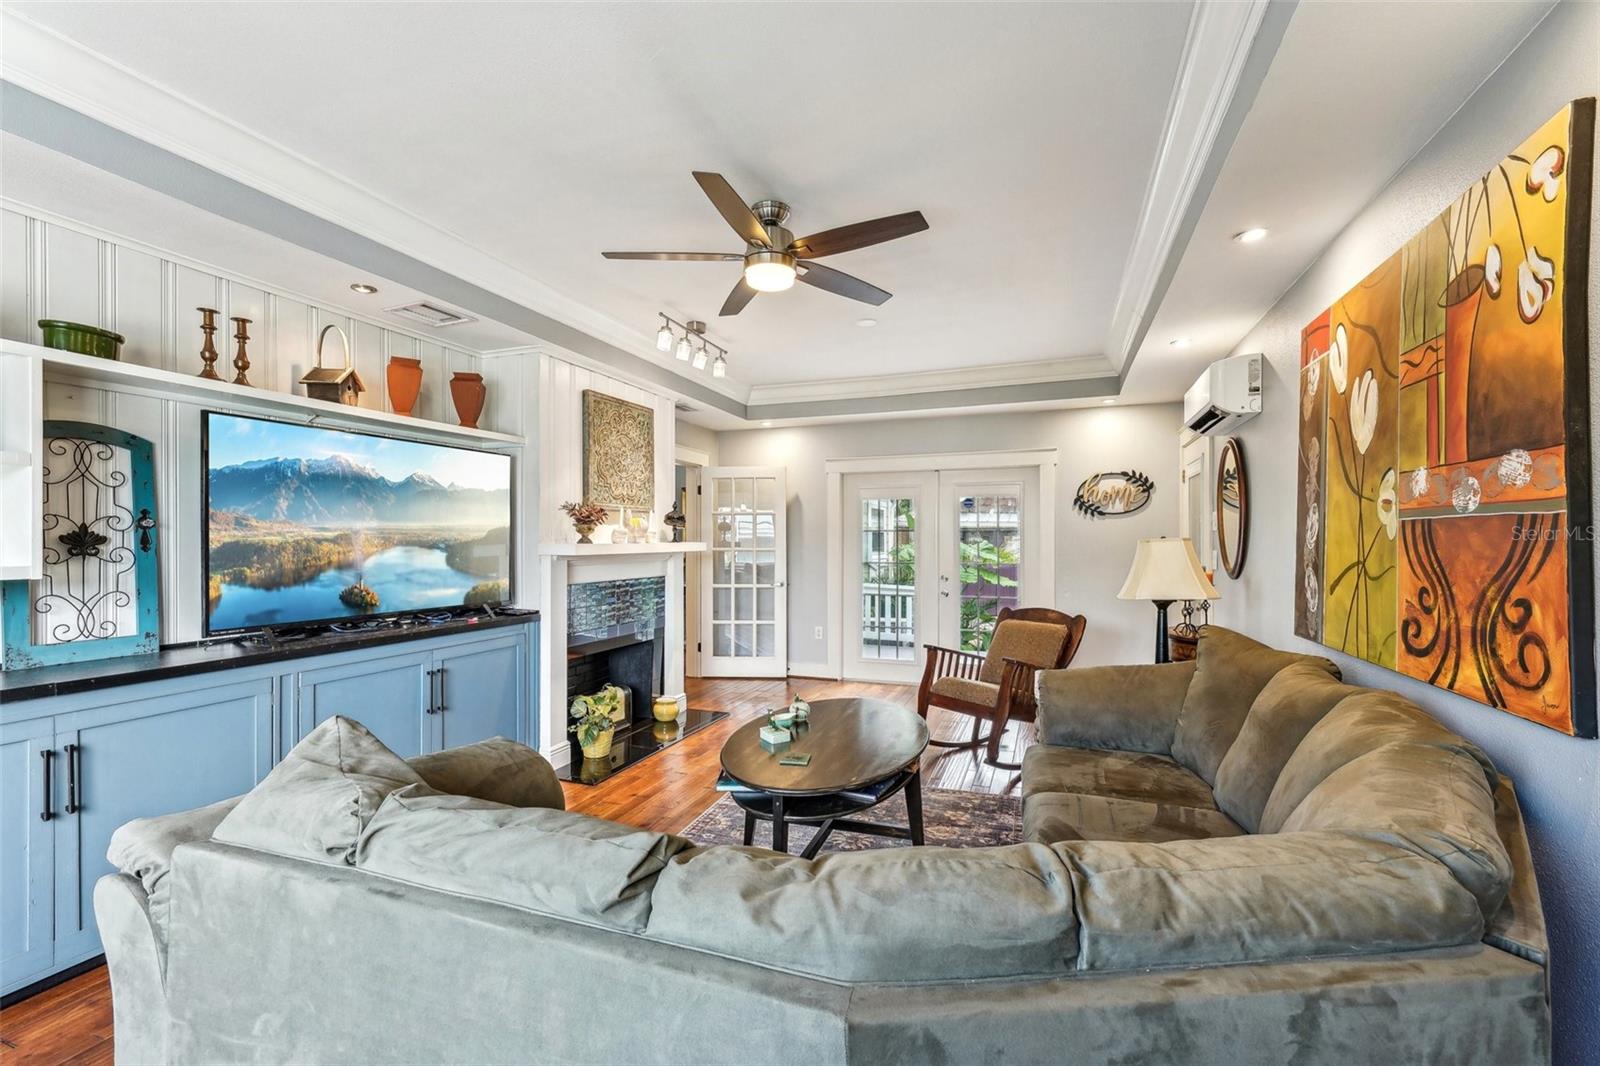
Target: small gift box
(773,738)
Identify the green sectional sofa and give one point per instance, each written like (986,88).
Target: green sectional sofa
(1238,859)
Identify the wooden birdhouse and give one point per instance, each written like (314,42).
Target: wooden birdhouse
(335,384)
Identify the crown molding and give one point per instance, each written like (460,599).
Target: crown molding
(1194,141)
(59,69)
(958,380)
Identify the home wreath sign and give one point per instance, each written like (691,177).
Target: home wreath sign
(1115,493)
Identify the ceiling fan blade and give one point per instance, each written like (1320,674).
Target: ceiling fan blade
(732,207)
(741,295)
(842,284)
(859,235)
(679,257)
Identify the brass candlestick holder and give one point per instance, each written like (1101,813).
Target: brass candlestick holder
(208,351)
(241,358)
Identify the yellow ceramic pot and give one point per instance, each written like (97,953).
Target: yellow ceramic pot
(665,709)
(601,746)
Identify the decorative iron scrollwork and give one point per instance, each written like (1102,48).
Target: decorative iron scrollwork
(83,542)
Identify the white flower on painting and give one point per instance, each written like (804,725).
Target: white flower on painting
(1491,270)
(1466,494)
(1544,173)
(1388,507)
(1313,590)
(1515,468)
(1313,526)
(1419,483)
(1536,281)
(1313,471)
(1310,378)
(1364,411)
(1339,360)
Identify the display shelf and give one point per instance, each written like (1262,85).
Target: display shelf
(659,548)
(70,366)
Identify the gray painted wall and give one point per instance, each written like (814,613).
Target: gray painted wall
(1555,774)
(1092,556)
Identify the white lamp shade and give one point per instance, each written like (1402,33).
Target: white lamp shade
(1166,568)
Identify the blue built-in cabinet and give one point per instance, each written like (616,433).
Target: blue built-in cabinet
(75,766)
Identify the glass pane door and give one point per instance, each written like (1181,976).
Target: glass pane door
(990,561)
(743,631)
(889,600)
(888,578)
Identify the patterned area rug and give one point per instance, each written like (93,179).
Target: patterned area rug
(949,819)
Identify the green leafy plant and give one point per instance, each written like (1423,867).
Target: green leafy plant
(592,714)
(980,563)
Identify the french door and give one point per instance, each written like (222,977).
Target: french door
(744,606)
(932,557)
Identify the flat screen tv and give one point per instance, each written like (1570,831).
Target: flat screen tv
(308,525)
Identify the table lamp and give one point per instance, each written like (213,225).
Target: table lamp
(1166,569)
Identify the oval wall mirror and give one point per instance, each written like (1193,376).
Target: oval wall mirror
(1233,507)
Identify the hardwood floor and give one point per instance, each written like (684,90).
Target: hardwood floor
(71,1023)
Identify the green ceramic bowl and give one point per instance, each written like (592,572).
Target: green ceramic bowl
(85,340)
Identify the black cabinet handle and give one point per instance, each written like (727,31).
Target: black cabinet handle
(433,706)
(73,806)
(442,707)
(45,813)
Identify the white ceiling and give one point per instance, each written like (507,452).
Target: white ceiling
(1326,133)
(544,134)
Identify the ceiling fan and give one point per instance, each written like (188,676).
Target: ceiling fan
(774,258)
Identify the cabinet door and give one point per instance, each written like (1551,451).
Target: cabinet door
(25,854)
(137,760)
(483,692)
(390,696)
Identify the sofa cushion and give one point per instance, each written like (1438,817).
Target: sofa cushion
(1123,708)
(1035,643)
(495,769)
(315,803)
(1230,672)
(1248,898)
(1118,774)
(550,861)
(1297,698)
(1427,791)
(143,848)
(902,914)
(962,688)
(1053,817)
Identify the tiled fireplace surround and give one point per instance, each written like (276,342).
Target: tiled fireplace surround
(615,633)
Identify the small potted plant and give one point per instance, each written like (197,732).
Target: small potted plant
(585,517)
(593,726)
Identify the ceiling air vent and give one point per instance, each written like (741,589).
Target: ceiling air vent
(430,315)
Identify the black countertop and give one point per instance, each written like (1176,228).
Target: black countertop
(182,660)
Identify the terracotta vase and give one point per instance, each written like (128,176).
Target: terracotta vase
(468,393)
(405,382)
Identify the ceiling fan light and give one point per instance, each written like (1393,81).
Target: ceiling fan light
(719,367)
(700,357)
(664,338)
(769,271)
(685,349)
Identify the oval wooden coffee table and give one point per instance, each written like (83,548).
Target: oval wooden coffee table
(862,752)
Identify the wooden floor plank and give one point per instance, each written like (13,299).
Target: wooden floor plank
(71,1023)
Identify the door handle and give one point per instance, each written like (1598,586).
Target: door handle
(433,707)
(442,707)
(45,813)
(73,806)
(779,584)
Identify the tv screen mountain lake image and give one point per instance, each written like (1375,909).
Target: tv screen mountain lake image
(329,525)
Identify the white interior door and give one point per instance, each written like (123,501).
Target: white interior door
(890,574)
(744,606)
(990,554)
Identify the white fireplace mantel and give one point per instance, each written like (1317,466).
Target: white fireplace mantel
(562,565)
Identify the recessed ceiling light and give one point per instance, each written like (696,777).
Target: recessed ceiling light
(363,288)
(866,323)
(1180,342)
(1251,235)
(766,425)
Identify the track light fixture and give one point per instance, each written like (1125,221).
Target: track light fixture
(691,345)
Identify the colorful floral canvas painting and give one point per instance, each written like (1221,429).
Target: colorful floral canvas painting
(1445,507)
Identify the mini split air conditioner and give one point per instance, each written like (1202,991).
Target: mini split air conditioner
(1227,395)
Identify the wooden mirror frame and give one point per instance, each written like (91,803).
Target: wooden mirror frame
(1233,563)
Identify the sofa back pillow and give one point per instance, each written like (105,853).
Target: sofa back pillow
(496,769)
(315,803)
(1230,672)
(1297,698)
(550,861)
(900,914)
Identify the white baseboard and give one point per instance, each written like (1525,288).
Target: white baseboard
(818,670)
